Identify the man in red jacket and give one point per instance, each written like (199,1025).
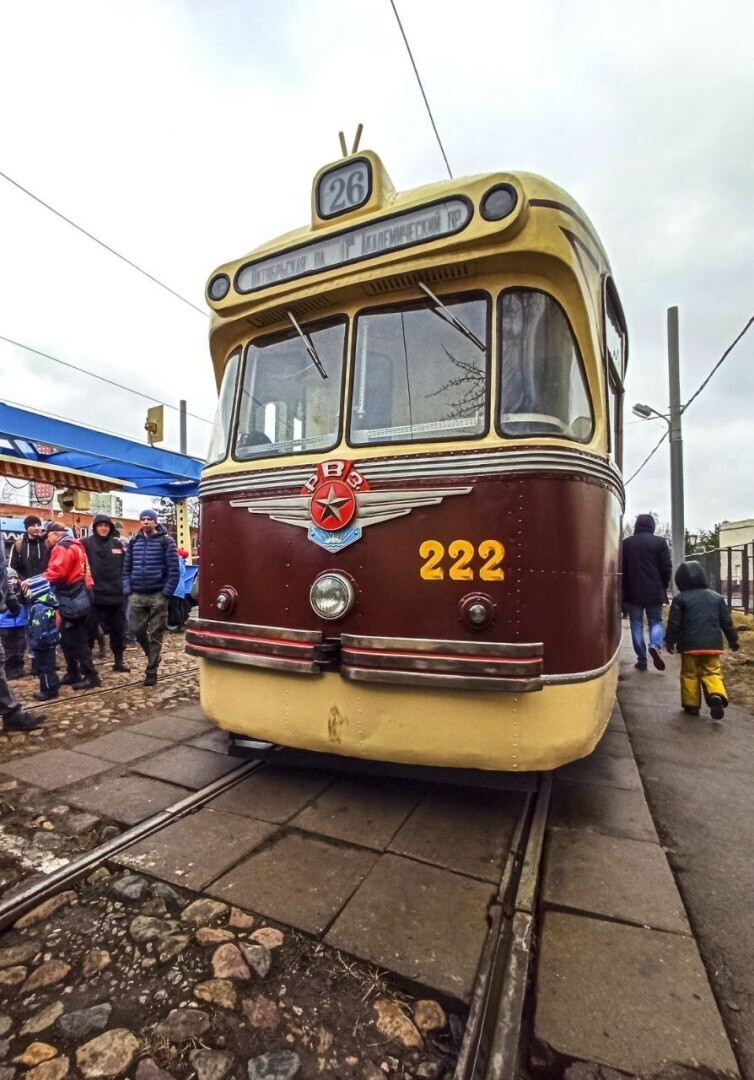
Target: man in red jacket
(67,571)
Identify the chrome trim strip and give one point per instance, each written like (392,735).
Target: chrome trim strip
(233,643)
(499,669)
(256,660)
(501,650)
(446,682)
(439,466)
(281,633)
(581,676)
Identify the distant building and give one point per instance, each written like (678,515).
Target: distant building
(735,535)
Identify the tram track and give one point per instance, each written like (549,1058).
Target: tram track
(103,690)
(493,1041)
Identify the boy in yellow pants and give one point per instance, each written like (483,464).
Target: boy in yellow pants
(697,621)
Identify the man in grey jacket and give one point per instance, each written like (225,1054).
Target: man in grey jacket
(14,717)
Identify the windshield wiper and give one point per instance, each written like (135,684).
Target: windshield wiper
(309,345)
(447,316)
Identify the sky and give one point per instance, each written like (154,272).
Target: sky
(184,133)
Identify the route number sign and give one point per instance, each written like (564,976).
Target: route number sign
(344,188)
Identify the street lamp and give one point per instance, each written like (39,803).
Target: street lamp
(673,420)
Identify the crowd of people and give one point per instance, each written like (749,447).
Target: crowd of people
(698,621)
(57,589)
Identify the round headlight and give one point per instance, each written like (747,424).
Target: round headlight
(498,202)
(331,596)
(219,287)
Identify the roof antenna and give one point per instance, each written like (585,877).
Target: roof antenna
(357,138)
(343,147)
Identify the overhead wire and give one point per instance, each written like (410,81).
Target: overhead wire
(421,87)
(107,247)
(693,397)
(102,378)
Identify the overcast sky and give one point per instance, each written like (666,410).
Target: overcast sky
(184,133)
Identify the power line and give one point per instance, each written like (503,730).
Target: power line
(102,244)
(93,375)
(693,397)
(421,87)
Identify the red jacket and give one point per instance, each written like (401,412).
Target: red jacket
(68,563)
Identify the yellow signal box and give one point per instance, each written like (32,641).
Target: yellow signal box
(155,425)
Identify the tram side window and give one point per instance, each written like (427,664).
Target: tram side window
(543,390)
(419,378)
(287,406)
(218,442)
(615,347)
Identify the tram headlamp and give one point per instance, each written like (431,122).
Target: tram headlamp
(219,287)
(498,202)
(226,599)
(331,596)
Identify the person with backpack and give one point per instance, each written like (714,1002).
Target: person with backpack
(150,576)
(43,634)
(68,572)
(13,716)
(29,556)
(106,557)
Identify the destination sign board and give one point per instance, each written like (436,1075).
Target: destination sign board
(363,242)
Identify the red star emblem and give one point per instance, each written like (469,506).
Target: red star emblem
(333,505)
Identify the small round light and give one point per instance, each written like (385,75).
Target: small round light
(219,287)
(331,596)
(225,600)
(477,614)
(478,611)
(499,202)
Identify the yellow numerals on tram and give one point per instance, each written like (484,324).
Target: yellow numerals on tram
(462,560)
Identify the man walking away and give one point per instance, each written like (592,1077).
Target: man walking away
(14,717)
(697,621)
(150,577)
(67,571)
(106,557)
(646,575)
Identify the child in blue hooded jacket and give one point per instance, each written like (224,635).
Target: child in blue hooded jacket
(43,634)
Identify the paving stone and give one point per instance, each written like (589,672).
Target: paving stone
(615,743)
(190,711)
(216,739)
(464,830)
(628,998)
(186,765)
(298,880)
(128,799)
(170,726)
(602,809)
(53,769)
(602,769)
(612,876)
(273,794)
(400,917)
(364,810)
(616,721)
(122,746)
(194,851)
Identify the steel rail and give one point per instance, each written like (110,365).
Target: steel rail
(30,896)
(492,1044)
(99,691)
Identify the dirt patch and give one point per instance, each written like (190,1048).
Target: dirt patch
(738,667)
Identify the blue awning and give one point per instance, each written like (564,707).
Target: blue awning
(150,471)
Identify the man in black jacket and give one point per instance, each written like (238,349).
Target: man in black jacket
(29,555)
(105,554)
(646,576)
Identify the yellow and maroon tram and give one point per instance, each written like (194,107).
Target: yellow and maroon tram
(411,509)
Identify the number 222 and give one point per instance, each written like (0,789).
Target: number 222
(462,553)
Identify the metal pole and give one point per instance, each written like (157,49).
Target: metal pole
(676,441)
(184,435)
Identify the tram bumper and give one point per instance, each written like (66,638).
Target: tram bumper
(407,724)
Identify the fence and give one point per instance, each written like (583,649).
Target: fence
(730,571)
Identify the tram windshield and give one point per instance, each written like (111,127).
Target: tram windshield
(417,377)
(289,404)
(542,385)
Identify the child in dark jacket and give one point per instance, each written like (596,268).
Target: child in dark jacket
(43,635)
(697,621)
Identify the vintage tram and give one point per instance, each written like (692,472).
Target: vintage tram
(411,509)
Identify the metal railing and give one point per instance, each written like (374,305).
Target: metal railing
(730,571)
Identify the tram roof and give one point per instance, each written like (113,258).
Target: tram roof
(90,460)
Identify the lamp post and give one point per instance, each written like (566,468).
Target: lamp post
(673,420)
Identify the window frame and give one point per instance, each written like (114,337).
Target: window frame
(271,339)
(614,379)
(580,357)
(419,304)
(236,351)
